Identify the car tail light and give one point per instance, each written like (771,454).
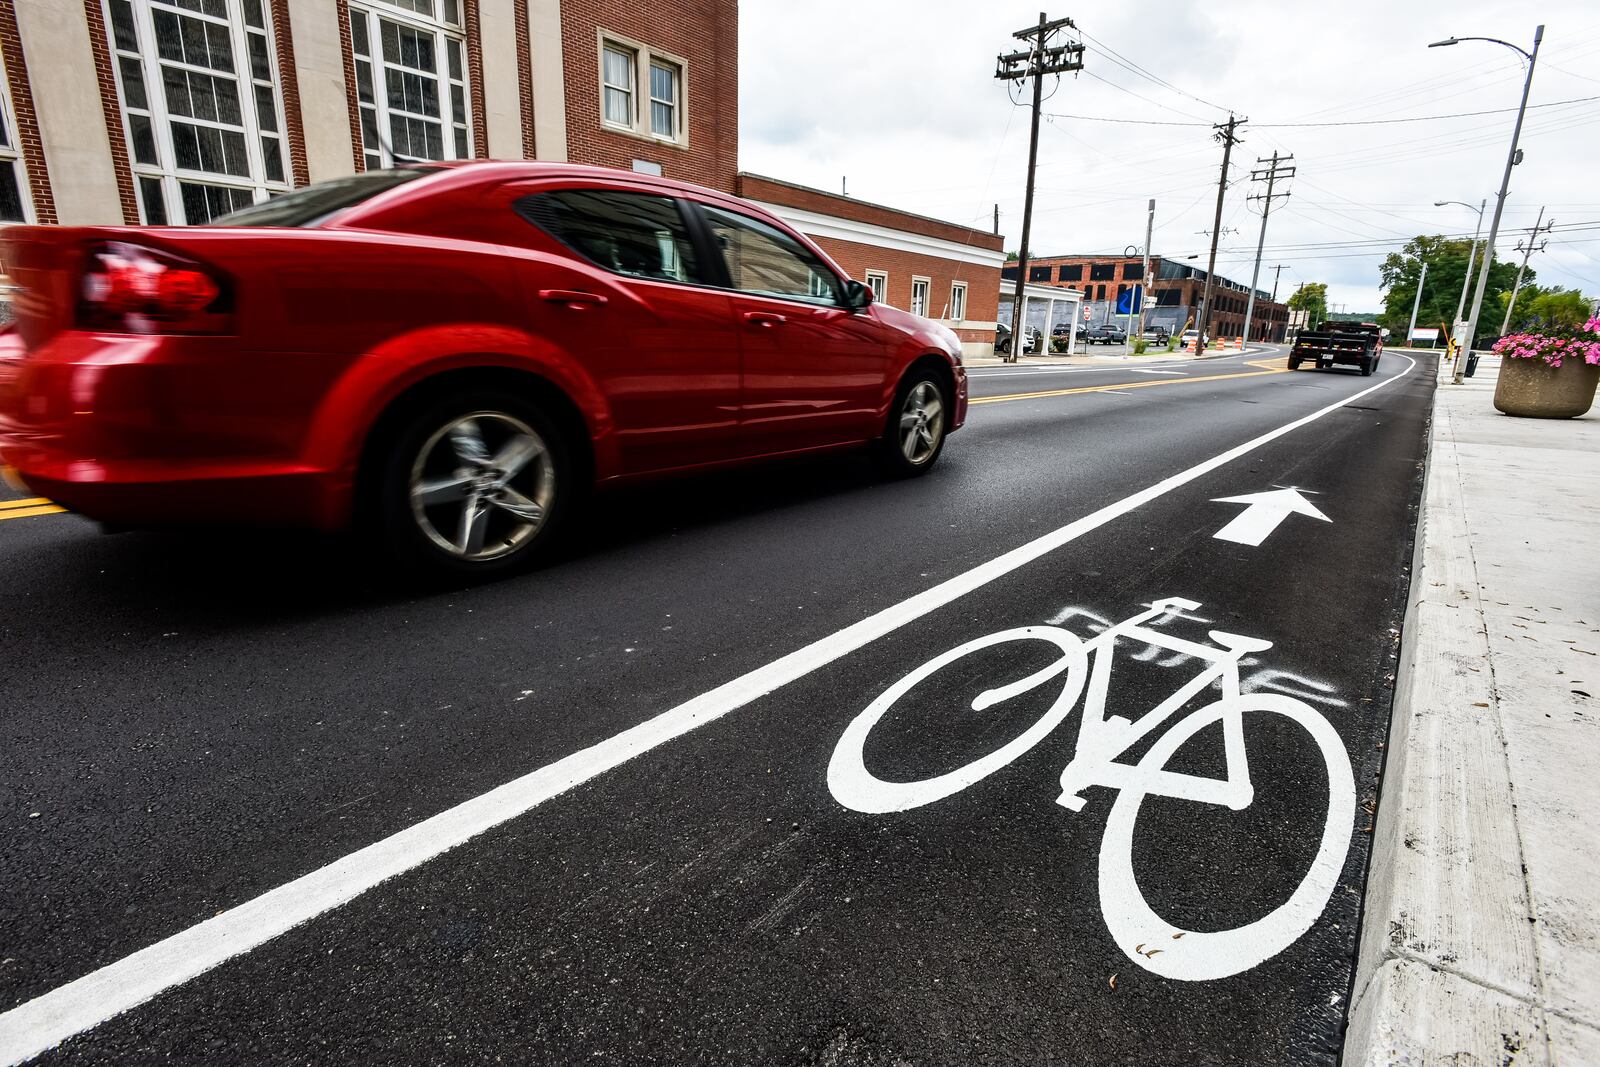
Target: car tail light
(128,288)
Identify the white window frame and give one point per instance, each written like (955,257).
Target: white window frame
(12,153)
(927,288)
(166,170)
(450,87)
(958,313)
(878,282)
(642,95)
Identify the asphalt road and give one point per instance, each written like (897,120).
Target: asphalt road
(727,865)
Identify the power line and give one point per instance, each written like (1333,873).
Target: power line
(1420,118)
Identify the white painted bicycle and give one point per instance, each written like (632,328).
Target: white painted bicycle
(1148,940)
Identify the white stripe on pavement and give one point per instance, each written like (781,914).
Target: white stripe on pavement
(51,1018)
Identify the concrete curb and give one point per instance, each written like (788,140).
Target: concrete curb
(1449,969)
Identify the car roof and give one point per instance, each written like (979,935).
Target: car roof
(513,169)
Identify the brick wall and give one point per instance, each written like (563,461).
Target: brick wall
(983,283)
(35,173)
(706,36)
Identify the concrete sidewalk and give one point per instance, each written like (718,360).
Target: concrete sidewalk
(1481,938)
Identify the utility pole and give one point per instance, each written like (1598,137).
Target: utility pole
(1277,272)
(1526,252)
(997,220)
(1275,170)
(1225,131)
(1040,58)
(1143,292)
(1416,303)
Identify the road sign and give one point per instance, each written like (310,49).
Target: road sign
(1425,333)
(1256,523)
(1128,301)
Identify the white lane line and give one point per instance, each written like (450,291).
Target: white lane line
(49,1019)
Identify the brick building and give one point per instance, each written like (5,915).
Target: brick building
(1176,290)
(173,112)
(943,270)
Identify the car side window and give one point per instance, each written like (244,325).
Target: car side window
(765,261)
(635,234)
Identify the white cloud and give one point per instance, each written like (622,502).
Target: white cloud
(900,98)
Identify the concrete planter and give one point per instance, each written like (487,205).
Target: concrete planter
(1533,389)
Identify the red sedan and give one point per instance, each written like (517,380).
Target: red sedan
(448,356)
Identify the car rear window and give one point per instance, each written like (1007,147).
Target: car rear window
(315,203)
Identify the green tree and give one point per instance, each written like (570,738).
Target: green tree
(1312,298)
(1447,267)
(1545,309)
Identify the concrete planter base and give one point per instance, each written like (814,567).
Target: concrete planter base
(1533,389)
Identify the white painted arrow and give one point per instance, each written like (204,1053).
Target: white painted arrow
(1266,510)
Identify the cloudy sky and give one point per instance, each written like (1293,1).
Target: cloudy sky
(899,97)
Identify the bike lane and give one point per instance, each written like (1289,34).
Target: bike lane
(713,901)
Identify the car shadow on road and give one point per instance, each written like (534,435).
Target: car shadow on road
(82,579)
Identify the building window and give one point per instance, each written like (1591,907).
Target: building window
(665,81)
(411,80)
(878,282)
(625,67)
(1099,292)
(1132,271)
(199,90)
(958,301)
(1038,274)
(919,295)
(1074,273)
(14,201)
(1102,272)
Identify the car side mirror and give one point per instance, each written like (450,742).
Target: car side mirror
(857,295)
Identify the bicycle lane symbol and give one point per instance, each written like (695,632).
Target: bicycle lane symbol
(1188,955)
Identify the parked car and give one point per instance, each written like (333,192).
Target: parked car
(1187,338)
(1157,335)
(1002,342)
(1103,335)
(445,358)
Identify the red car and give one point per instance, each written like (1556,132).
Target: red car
(448,356)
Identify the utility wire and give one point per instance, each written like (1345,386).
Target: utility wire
(1305,125)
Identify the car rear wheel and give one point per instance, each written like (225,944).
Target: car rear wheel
(1294,364)
(918,420)
(477,483)
(1366,368)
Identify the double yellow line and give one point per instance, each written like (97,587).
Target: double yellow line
(1273,366)
(22,509)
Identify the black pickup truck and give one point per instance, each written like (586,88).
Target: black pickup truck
(1353,344)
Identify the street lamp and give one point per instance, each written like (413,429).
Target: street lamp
(1500,199)
(1466,279)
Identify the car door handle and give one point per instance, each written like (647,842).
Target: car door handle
(764,318)
(573,298)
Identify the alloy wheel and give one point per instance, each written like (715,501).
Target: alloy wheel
(921,423)
(481,486)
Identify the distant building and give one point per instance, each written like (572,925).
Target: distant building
(1107,282)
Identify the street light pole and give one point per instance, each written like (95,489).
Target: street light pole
(1500,198)
(1472,253)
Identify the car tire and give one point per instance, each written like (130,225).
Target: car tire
(1294,364)
(901,454)
(1366,368)
(473,484)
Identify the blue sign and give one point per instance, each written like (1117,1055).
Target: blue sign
(1129,301)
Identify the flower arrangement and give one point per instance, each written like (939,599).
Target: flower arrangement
(1555,345)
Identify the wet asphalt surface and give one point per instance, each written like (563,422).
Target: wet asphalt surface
(192,720)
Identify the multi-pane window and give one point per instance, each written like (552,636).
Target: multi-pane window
(664,83)
(13,182)
(411,80)
(919,296)
(616,73)
(878,282)
(199,89)
(958,301)
(641,90)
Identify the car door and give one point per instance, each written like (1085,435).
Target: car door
(632,302)
(813,370)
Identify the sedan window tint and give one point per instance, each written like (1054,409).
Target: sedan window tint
(629,233)
(315,204)
(764,260)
